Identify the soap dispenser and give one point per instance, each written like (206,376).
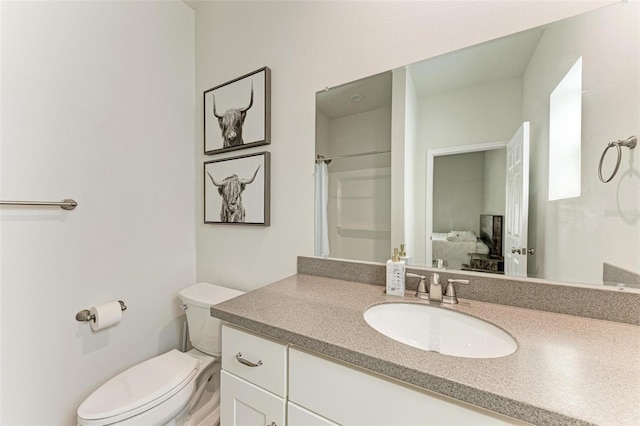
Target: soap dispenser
(403,255)
(396,270)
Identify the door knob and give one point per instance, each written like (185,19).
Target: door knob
(531,251)
(515,250)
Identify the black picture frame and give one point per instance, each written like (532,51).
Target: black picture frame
(237,190)
(237,114)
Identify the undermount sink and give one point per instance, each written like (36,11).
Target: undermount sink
(440,330)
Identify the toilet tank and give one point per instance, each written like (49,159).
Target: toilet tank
(204,330)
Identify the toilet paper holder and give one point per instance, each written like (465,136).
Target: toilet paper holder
(86,315)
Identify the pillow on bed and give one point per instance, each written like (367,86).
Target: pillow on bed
(439,236)
(462,236)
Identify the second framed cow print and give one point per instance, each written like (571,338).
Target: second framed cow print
(237,114)
(236,190)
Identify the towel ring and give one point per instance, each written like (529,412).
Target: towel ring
(629,142)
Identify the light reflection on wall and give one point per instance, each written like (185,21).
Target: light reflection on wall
(565,136)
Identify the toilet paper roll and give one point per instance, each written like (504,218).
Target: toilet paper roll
(106,315)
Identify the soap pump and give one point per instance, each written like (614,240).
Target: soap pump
(403,255)
(395,275)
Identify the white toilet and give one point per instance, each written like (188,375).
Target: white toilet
(174,388)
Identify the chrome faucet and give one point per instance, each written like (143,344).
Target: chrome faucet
(434,292)
(450,293)
(435,289)
(422,291)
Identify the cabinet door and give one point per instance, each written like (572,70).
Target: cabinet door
(245,404)
(298,416)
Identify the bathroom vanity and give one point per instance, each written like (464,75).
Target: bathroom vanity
(322,391)
(326,365)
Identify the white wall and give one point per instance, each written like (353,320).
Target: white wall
(458,192)
(495,177)
(410,153)
(400,85)
(467,185)
(323,133)
(97,105)
(605,216)
(356,133)
(309,46)
(483,113)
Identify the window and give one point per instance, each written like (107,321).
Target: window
(565,136)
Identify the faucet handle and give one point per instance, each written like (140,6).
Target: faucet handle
(449,295)
(450,281)
(422,291)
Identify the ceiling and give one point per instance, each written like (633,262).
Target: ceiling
(479,64)
(194,4)
(497,60)
(336,101)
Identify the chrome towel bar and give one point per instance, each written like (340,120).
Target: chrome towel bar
(66,204)
(629,143)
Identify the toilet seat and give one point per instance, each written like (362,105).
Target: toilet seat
(140,388)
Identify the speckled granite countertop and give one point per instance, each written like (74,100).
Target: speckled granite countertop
(567,370)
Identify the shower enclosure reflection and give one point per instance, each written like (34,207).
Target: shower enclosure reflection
(353,138)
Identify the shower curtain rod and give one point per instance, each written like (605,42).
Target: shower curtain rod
(321,158)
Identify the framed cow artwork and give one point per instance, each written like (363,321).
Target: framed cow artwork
(236,190)
(237,114)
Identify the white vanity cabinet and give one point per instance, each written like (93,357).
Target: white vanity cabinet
(300,416)
(322,392)
(352,396)
(253,380)
(244,404)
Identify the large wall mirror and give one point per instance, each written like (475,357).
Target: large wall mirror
(488,157)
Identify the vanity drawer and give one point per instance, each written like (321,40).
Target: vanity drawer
(348,395)
(258,360)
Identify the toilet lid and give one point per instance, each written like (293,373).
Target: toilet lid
(139,385)
(206,295)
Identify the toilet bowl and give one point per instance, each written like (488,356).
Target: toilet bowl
(174,388)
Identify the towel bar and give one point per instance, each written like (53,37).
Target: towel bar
(66,204)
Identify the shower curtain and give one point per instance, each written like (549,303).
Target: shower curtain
(321,202)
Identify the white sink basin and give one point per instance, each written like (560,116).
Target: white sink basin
(440,330)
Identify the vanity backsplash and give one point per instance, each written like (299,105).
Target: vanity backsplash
(603,303)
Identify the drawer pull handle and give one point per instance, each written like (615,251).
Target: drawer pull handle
(247,362)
